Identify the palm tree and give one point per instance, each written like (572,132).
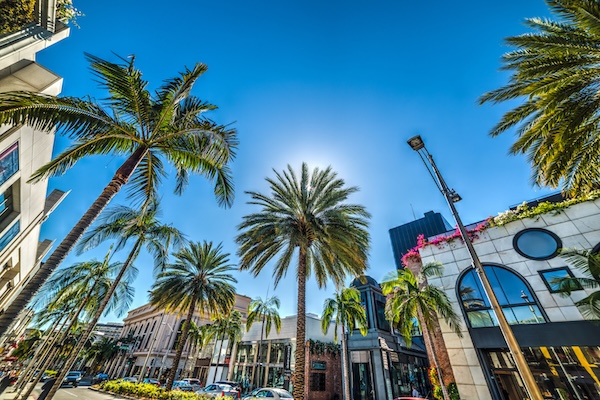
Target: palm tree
(198,336)
(555,71)
(267,311)
(101,351)
(199,279)
(151,129)
(346,311)
(226,326)
(88,283)
(409,296)
(588,263)
(122,224)
(308,214)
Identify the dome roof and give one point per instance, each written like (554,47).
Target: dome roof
(364,280)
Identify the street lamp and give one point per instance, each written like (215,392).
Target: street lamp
(417,144)
(164,359)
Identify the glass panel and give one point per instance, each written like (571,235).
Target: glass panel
(514,289)
(482,318)
(9,163)
(537,244)
(10,235)
(496,285)
(382,322)
(552,278)
(523,315)
(471,293)
(276,353)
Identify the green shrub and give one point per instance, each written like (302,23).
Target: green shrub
(149,391)
(453,391)
(15,14)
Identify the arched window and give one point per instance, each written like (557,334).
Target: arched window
(514,296)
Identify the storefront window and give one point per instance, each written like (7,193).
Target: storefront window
(513,294)
(245,353)
(560,372)
(277,351)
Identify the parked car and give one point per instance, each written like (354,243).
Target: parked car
(151,381)
(192,381)
(272,393)
(219,390)
(72,378)
(99,378)
(235,385)
(46,376)
(131,379)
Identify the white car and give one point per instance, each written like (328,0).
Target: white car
(271,393)
(219,390)
(131,379)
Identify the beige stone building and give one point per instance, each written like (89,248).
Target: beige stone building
(148,342)
(24,206)
(522,261)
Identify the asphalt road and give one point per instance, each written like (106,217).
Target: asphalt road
(81,393)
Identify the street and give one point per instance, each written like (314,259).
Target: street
(69,393)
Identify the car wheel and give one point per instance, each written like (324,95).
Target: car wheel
(75,384)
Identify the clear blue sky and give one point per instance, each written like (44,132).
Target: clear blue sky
(330,83)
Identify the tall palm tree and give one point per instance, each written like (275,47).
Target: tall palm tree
(226,327)
(199,279)
(123,224)
(588,263)
(555,72)
(150,129)
(309,214)
(346,312)
(267,311)
(410,298)
(101,351)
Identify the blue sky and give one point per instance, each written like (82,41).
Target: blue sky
(330,83)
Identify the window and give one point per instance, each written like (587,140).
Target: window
(382,322)
(553,279)
(9,162)
(513,294)
(6,204)
(537,244)
(10,235)
(317,382)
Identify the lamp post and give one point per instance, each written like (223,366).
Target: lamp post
(416,143)
(164,359)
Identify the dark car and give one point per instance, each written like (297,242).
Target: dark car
(72,378)
(99,378)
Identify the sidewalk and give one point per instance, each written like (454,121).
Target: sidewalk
(10,395)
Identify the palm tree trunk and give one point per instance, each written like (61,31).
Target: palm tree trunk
(219,357)
(431,351)
(181,344)
(42,351)
(300,365)
(54,350)
(119,179)
(345,365)
(92,324)
(257,363)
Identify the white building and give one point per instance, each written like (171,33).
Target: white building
(148,342)
(522,259)
(24,206)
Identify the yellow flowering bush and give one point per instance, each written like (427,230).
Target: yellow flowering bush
(149,391)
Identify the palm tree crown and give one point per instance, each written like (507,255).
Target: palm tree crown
(345,311)
(199,279)
(556,71)
(153,130)
(409,298)
(266,311)
(588,263)
(309,214)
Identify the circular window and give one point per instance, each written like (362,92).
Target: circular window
(537,244)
